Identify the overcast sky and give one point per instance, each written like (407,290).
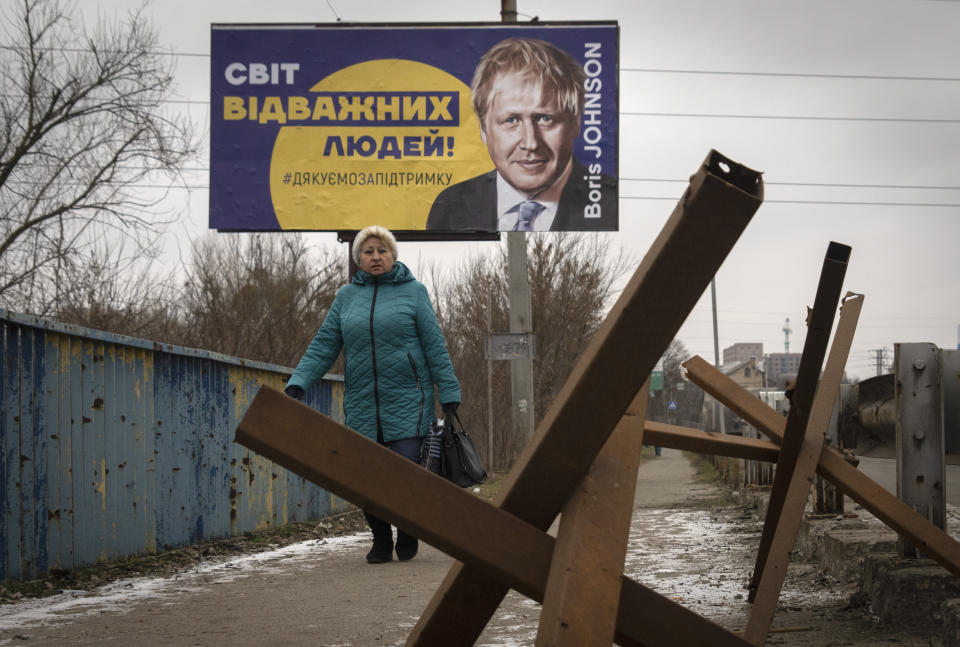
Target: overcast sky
(851,108)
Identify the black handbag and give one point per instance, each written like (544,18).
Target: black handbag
(453,455)
(461,461)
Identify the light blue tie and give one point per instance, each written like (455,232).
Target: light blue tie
(528,212)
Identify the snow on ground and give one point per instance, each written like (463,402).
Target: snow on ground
(121,595)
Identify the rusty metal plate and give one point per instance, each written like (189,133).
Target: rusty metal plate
(900,517)
(703,228)
(770,582)
(708,442)
(502,549)
(583,589)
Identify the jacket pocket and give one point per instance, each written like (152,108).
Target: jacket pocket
(416,377)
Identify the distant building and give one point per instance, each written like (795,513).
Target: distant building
(741,352)
(778,365)
(746,373)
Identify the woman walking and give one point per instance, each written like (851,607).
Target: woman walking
(394,353)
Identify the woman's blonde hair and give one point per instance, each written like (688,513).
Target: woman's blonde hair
(374,231)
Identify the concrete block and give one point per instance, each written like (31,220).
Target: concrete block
(846,546)
(907,593)
(950,610)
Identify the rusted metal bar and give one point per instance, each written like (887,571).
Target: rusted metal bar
(900,517)
(704,226)
(784,535)
(498,546)
(811,361)
(583,589)
(708,442)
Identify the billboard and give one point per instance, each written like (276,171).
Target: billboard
(334,127)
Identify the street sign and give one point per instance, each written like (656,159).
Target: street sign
(672,406)
(503,346)
(656,380)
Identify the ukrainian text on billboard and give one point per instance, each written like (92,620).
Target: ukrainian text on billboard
(331,128)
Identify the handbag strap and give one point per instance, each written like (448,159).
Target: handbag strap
(447,421)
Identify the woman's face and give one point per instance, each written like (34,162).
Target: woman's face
(375,257)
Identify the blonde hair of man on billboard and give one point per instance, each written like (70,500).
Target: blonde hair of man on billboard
(545,63)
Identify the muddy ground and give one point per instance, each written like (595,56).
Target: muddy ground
(689,541)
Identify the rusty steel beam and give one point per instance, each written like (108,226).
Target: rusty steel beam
(708,442)
(583,590)
(900,517)
(820,321)
(711,215)
(770,582)
(497,545)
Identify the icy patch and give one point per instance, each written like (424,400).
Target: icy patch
(120,596)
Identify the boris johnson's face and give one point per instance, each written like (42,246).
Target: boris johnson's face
(529,138)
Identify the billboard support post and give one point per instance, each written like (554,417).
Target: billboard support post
(521,313)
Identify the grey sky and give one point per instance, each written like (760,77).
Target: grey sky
(877,137)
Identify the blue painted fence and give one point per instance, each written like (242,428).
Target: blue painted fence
(112,446)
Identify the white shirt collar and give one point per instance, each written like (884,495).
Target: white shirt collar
(509,199)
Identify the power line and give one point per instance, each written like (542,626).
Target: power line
(781,313)
(190,187)
(948,205)
(686,115)
(639,179)
(811,184)
(807,75)
(644,70)
(919,120)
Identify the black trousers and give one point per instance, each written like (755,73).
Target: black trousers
(408,448)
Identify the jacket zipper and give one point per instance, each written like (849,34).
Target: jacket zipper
(416,376)
(373,352)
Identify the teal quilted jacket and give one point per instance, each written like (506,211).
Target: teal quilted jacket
(394,352)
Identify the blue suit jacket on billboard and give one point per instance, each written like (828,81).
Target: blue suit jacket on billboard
(472,204)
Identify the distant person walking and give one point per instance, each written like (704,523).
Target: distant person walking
(394,353)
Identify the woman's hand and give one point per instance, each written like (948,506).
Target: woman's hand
(294,392)
(449,409)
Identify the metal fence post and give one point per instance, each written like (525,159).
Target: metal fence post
(920,440)
(829,499)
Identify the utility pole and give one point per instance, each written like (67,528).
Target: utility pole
(521,319)
(717,412)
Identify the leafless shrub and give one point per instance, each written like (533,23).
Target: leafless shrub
(259,296)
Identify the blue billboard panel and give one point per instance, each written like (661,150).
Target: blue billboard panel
(414,127)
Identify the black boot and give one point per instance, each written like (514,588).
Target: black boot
(382,550)
(406,546)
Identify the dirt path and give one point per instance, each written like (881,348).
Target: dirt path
(683,543)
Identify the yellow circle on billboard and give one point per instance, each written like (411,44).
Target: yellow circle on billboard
(374,144)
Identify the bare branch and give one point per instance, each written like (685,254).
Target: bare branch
(76,132)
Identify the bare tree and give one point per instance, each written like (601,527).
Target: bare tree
(573,278)
(687,396)
(82,127)
(113,292)
(259,296)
